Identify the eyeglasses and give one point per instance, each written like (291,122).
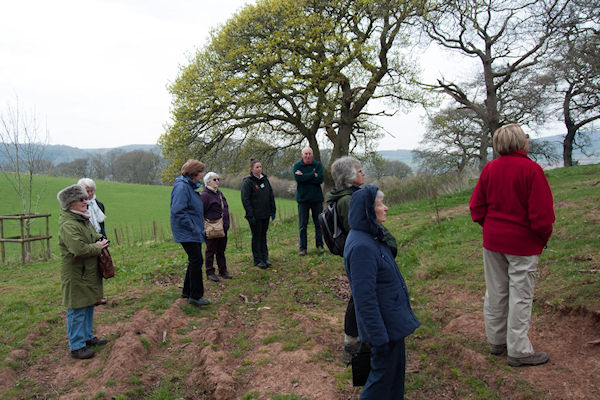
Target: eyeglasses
(216,179)
(83,199)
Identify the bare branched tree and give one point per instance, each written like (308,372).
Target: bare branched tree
(23,143)
(508,38)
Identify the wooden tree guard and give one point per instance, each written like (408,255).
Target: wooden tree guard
(22,239)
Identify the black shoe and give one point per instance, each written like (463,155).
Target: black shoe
(497,349)
(212,277)
(96,342)
(302,252)
(261,265)
(82,353)
(198,302)
(184,296)
(225,276)
(268,263)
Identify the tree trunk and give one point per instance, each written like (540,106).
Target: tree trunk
(571,130)
(568,145)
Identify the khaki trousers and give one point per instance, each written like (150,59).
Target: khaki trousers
(510,283)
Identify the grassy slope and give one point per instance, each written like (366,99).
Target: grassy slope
(437,259)
(131,209)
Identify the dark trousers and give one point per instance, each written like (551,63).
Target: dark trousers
(216,247)
(350,325)
(386,379)
(315,209)
(193,286)
(260,252)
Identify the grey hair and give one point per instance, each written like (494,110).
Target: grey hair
(88,183)
(378,196)
(343,171)
(209,176)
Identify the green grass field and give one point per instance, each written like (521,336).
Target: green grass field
(296,308)
(132,211)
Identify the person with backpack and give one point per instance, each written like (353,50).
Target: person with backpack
(348,177)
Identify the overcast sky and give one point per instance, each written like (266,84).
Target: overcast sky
(96,71)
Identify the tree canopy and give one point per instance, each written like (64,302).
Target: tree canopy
(293,72)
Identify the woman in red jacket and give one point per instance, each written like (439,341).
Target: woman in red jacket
(513,203)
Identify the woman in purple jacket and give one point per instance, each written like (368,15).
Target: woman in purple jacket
(215,207)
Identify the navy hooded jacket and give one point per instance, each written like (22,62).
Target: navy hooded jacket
(187,212)
(380,295)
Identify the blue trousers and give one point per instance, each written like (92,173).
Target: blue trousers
(386,380)
(315,209)
(80,324)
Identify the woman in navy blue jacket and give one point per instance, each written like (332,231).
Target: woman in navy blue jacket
(187,225)
(381,299)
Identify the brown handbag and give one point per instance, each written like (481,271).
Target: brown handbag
(105,264)
(214,228)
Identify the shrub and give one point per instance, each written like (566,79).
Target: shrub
(423,186)
(282,188)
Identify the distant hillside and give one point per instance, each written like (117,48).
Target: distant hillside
(57,153)
(556,141)
(592,150)
(399,155)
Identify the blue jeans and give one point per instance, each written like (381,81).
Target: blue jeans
(386,380)
(80,324)
(315,209)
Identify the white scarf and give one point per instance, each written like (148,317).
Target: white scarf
(96,214)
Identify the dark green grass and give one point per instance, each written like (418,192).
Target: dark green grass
(437,256)
(134,212)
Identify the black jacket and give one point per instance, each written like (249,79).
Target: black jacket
(257,197)
(101,207)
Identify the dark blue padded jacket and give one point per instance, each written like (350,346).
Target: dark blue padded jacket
(381,299)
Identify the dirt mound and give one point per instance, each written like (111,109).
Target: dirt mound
(571,340)
(243,349)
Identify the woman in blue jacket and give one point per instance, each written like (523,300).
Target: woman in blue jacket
(187,225)
(381,299)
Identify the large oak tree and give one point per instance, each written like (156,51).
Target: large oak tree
(293,71)
(576,71)
(507,38)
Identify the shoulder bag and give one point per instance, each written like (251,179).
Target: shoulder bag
(214,228)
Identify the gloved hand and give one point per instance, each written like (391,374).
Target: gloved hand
(251,220)
(273,217)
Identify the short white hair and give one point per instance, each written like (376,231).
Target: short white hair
(209,176)
(87,183)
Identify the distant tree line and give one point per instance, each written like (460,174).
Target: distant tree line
(137,166)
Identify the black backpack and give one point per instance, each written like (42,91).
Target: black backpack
(333,234)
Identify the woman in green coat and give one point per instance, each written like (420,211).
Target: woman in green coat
(80,245)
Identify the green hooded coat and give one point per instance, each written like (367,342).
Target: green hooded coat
(80,280)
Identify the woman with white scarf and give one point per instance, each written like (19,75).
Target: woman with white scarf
(96,211)
(95,207)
